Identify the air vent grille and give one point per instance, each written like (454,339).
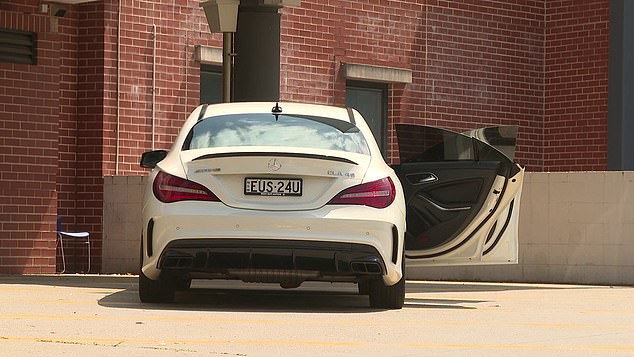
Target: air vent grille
(18,46)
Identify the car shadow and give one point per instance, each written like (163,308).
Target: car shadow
(240,297)
(231,296)
(247,300)
(462,287)
(116,281)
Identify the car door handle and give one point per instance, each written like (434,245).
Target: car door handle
(444,209)
(418,179)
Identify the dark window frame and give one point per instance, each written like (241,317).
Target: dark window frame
(210,68)
(385,88)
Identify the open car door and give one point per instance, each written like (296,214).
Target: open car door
(462,195)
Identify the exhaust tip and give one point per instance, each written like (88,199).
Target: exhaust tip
(178,262)
(366,267)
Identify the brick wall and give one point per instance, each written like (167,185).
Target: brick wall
(319,36)
(484,66)
(91,65)
(474,63)
(29,119)
(64,155)
(576,92)
(179,27)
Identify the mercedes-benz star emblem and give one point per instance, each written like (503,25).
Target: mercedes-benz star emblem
(274,165)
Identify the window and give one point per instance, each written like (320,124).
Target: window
(265,129)
(370,99)
(418,143)
(210,84)
(18,46)
(427,144)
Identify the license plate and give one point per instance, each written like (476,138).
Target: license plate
(272,187)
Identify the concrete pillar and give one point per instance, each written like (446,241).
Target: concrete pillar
(257,49)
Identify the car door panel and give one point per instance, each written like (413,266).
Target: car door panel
(436,211)
(461,198)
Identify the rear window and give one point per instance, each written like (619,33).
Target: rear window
(285,130)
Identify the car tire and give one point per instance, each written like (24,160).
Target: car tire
(182,284)
(387,297)
(155,291)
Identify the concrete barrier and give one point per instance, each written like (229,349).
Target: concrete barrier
(122,205)
(575,227)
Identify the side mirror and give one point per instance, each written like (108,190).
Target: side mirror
(149,159)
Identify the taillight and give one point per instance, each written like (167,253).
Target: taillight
(169,188)
(377,194)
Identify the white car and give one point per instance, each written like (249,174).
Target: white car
(286,193)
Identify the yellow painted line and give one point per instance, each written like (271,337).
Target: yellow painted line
(49,317)
(119,341)
(470,299)
(522,347)
(433,283)
(138,318)
(315,322)
(59,288)
(61,302)
(499,324)
(608,311)
(22,288)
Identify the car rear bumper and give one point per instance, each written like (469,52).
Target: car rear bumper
(208,240)
(274,261)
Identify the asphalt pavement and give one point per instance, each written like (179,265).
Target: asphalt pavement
(102,316)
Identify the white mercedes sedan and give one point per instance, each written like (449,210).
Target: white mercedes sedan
(286,193)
